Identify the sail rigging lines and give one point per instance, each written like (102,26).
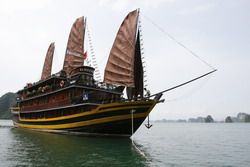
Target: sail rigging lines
(178,42)
(143,57)
(92,60)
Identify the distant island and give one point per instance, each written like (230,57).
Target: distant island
(241,117)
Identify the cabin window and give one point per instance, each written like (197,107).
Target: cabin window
(53,98)
(87,78)
(83,78)
(40,101)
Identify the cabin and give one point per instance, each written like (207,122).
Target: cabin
(61,95)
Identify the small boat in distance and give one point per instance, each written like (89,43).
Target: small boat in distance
(72,101)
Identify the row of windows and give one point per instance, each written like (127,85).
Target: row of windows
(73,96)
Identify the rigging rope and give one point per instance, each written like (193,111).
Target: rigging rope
(178,42)
(177,86)
(143,57)
(92,59)
(137,148)
(132,132)
(191,92)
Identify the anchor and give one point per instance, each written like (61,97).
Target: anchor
(148,125)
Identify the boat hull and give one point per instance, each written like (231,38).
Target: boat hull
(114,119)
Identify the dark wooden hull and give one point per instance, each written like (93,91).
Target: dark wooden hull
(115,119)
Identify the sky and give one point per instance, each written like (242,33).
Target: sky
(217,31)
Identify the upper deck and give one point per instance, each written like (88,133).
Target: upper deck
(60,90)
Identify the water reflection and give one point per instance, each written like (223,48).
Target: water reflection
(167,144)
(31,148)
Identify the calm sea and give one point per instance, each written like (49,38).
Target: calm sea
(165,144)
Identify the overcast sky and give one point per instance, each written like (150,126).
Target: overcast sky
(218,31)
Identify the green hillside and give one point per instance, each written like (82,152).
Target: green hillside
(6,101)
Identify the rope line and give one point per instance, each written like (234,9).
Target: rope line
(191,92)
(178,42)
(139,151)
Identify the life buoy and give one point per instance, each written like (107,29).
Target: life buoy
(61,83)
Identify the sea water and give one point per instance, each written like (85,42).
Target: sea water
(164,144)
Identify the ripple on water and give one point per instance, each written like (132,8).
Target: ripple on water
(177,145)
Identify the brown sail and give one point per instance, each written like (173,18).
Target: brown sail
(46,73)
(74,56)
(120,66)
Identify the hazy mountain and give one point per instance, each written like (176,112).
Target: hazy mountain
(6,101)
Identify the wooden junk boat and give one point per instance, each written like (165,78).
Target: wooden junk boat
(72,101)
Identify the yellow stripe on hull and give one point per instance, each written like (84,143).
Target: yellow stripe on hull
(147,104)
(84,123)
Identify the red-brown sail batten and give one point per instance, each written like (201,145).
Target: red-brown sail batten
(74,56)
(46,73)
(122,53)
